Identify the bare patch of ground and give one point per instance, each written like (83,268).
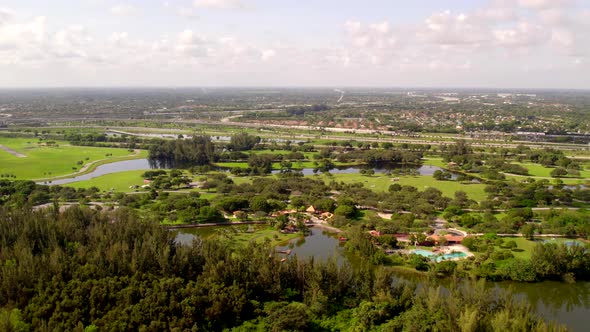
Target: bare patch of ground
(11,151)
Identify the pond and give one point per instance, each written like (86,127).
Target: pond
(319,244)
(426,170)
(565,303)
(144,164)
(119,166)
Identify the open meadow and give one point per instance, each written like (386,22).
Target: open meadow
(41,160)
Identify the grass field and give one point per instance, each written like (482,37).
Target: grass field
(238,235)
(522,243)
(51,161)
(434,161)
(542,171)
(382,183)
(120,181)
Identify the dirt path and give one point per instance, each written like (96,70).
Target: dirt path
(229,118)
(11,151)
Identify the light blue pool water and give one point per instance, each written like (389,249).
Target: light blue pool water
(438,258)
(424,253)
(450,256)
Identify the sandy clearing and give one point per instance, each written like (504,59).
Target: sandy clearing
(11,151)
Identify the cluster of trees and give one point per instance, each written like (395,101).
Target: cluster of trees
(532,193)
(23,193)
(500,164)
(189,209)
(301,110)
(89,270)
(183,153)
(243,142)
(104,140)
(376,157)
(574,223)
(562,221)
(551,157)
(554,261)
(459,153)
(161,179)
(560,172)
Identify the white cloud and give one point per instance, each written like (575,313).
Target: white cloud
(219,4)
(545,4)
(119,39)
(72,36)
(268,54)
(22,34)
(523,35)
(124,10)
(446,28)
(186,12)
(494,41)
(6,15)
(190,44)
(496,14)
(376,35)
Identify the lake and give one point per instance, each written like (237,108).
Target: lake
(565,303)
(392,168)
(144,164)
(119,166)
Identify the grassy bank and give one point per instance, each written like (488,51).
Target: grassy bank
(50,161)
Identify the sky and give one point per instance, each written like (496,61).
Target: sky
(329,43)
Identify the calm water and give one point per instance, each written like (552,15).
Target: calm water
(567,304)
(391,168)
(119,166)
(320,244)
(143,164)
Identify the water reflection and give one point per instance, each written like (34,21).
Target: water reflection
(319,244)
(389,169)
(119,166)
(565,303)
(145,164)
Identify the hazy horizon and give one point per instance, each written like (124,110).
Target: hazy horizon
(446,44)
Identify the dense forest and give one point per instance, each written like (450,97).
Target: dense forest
(182,153)
(86,270)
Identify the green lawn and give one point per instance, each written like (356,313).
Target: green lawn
(238,235)
(382,183)
(522,243)
(242,179)
(434,161)
(120,181)
(542,171)
(51,161)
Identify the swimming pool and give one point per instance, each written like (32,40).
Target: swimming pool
(438,258)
